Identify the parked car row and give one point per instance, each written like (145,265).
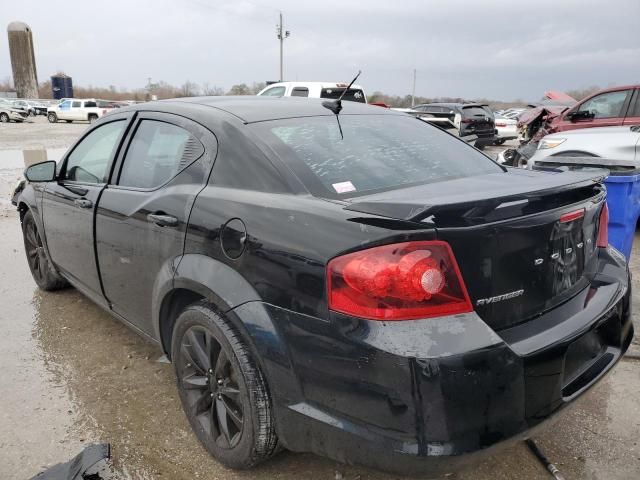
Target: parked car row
(9,112)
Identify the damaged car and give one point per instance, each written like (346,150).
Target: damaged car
(559,112)
(336,278)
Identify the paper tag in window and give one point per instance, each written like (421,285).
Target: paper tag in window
(343,187)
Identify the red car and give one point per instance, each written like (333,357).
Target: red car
(611,107)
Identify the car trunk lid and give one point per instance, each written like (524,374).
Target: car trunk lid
(525,241)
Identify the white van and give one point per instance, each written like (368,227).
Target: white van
(315,90)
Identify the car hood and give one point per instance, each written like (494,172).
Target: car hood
(596,131)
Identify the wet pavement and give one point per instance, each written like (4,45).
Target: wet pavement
(73,375)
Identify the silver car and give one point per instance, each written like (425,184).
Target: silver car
(616,143)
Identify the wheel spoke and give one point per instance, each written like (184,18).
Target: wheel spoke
(232,392)
(190,361)
(221,364)
(202,403)
(31,235)
(199,354)
(195,382)
(221,411)
(234,414)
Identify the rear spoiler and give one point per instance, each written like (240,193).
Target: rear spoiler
(487,207)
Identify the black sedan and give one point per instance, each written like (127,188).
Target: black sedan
(361,285)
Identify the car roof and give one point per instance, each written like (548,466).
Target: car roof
(251,108)
(322,84)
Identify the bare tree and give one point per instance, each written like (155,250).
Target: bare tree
(212,90)
(239,89)
(189,89)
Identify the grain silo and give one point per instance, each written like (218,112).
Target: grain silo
(23,61)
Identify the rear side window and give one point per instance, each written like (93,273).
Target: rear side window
(353,95)
(157,153)
(374,152)
(76,105)
(90,104)
(300,92)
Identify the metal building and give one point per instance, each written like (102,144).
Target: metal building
(61,86)
(23,61)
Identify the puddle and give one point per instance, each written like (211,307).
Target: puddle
(13,163)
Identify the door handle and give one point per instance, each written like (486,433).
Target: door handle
(83,203)
(163,220)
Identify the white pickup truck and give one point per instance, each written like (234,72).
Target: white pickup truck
(71,109)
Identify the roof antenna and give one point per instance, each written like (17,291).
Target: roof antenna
(336,105)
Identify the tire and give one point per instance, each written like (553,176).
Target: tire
(4,117)
(32,113)
(41,269)
(92,118)
(52,117)
(221,385)
(500,141)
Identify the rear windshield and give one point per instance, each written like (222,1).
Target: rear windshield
(353,94)
(471,112)
(378,152)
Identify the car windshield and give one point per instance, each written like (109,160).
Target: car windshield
(373,153)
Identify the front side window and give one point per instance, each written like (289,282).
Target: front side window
(373,152)
(274,92)
(157,153)
(64,105)
(606,105)
(88,162)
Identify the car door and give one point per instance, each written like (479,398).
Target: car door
(607,109)
(143,213)
(63,111)
(633,114)
(76,110)
(68,204)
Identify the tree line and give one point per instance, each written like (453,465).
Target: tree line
(162,90)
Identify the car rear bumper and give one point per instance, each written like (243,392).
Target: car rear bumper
(429,396)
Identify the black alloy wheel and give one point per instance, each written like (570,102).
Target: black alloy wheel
(211,384)
(41,269)
(223,391)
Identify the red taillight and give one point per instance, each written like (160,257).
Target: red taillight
(569,217)
(466,120)
(501,124)
(603,227)
(401,281)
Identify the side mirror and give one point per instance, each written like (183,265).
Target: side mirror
(579,115)
(41,172)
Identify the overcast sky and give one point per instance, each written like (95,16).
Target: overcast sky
(482,48)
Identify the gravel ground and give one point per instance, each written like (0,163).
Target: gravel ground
(73,375)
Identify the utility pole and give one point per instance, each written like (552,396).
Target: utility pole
(281,33)
(413,92)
